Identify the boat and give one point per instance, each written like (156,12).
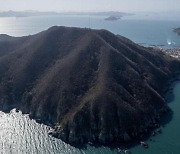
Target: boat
(169,42)
(122,151)
(144,144)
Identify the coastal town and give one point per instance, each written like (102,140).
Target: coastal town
(175,52)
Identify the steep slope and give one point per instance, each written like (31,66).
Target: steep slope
(9,44)
(91,85)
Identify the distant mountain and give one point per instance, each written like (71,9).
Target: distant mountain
(110,13)
(37,13)
(177,30)
(25,13)
(92,85)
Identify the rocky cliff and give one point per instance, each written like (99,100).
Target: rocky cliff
(92,85)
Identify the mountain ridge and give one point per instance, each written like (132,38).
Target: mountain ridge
(92,85)
(31,13)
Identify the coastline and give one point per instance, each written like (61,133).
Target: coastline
(146,120)
(164,119)
(126,146)
(145,131)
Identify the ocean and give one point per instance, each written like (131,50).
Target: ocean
(21,135)
(145,32)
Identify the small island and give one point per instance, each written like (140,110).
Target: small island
(113,18)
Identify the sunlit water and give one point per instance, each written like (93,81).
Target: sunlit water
(146,32)
(20,135)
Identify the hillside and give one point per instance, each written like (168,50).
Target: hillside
(92,85)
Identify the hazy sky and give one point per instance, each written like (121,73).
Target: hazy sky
(91,5)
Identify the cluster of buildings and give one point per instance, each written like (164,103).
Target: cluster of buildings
(173,52)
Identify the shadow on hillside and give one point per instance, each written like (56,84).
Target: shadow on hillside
(170,96)
(145,137)
(166,119)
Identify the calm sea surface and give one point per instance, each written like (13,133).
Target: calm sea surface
(147,32)
(20,135)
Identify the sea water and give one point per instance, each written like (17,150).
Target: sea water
(145,32)
(20,135)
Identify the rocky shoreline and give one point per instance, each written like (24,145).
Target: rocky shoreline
(145,130)
(150,128)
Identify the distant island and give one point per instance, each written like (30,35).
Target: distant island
(37,13)
(177,30)
(113,18)
(92,86)
(25,13)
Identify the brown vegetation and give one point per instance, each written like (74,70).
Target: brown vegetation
(91,84)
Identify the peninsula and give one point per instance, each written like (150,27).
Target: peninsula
(90,85)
